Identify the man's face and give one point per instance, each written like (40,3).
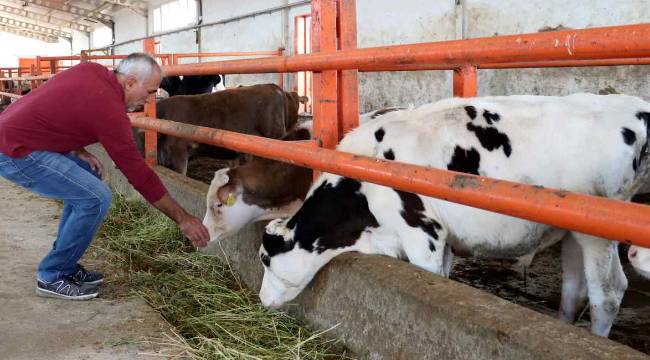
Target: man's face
(137,93)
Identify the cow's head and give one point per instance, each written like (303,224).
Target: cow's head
(253,192)
(640,259)
(287,268)
(226,211)
(334,219)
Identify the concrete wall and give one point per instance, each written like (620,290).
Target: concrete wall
(80,41)
(383,308)
(262,32)
(129,25)
(487,18)
(387,22)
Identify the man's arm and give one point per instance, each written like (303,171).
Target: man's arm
(191,227)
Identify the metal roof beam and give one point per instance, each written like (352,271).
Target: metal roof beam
(139,7)
(34,27)
(66,8)
(51,20)
(28,34)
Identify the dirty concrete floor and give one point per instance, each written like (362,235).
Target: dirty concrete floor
(35,328)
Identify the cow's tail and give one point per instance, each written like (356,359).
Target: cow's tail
(642,176)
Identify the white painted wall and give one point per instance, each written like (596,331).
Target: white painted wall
(487,18)
(14,47)
(388,22)
(129,25)
(80,41)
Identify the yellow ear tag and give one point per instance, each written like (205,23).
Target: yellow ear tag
(231,200)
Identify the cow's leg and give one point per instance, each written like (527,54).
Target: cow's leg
(574,285)
(423,250)
(606,282)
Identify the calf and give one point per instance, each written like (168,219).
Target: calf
(261,189)
(640,258)
(583,143)
(260,110)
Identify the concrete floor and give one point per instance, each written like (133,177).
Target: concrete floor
(35,328)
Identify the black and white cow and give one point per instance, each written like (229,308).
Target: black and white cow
(190,84)
(582,143)
(640,259)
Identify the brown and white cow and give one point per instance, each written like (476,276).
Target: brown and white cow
(261,189)
(263,110)
(640,259)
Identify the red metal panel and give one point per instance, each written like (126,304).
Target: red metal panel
(348,84)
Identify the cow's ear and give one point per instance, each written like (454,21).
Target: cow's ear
(220,178)
(228,193)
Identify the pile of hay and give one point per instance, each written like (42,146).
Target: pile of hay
(214,314)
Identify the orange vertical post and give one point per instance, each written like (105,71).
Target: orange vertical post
(150,136)
(348,86)
(465,81)
(53,66)
(281,75)
(33,72)
(323,14)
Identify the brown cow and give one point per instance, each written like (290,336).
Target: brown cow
(263,110)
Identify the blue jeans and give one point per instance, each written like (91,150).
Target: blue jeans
(86,200)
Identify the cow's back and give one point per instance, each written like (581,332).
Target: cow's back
(584,143)
(257,110)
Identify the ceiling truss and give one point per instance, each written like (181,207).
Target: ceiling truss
(44,18)
(34,28)
(66,8)
(47,20)
(28,34)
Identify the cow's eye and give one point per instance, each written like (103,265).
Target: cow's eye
(266,260)
(218,205)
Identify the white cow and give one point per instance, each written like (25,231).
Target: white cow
(583,143)
(640,258)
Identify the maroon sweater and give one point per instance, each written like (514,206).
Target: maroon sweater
(78,107)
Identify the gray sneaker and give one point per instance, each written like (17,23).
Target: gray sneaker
(66,288)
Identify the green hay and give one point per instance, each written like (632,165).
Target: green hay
(214,315)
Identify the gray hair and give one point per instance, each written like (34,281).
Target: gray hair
(140,65)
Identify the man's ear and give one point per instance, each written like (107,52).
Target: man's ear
(131,80)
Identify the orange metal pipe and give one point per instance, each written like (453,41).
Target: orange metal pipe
(567,63)
(628,41)
(324,103)
(150,137)
(518,65)
(465,79)
(230,53)
(606,218)
(348,85)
